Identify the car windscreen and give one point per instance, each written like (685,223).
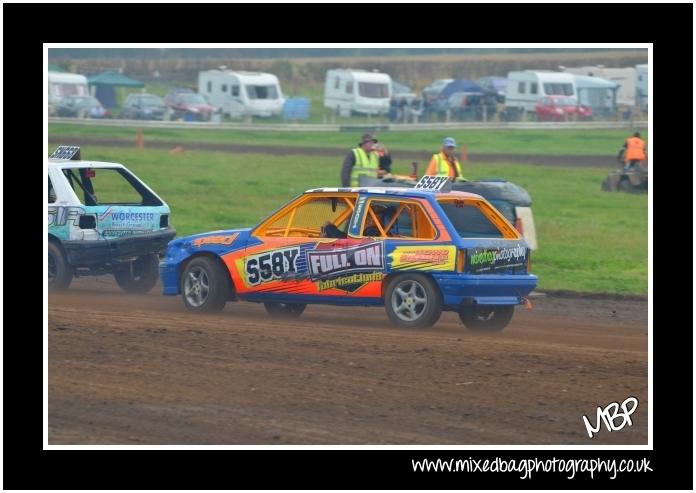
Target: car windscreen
(150,101)
(109,186)
(373,90)
(83,101)
(192,98)
(262,92)
(469,221)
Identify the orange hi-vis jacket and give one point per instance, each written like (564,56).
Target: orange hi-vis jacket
(635,149)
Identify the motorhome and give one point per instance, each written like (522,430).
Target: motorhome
(62,84)
(642,87)
(241,93)
(526,87)
(624,77)
(358,91)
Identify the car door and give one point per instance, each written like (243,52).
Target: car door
(275,264)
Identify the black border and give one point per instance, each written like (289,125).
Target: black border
(27,26)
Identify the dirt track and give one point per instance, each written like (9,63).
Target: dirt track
(127,369)
(338,154)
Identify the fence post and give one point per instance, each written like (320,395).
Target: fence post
(139,139)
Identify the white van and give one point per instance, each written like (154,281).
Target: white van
(357,91)
(62,84)
(624,77)
(242,93)
(642,87)
(526,87)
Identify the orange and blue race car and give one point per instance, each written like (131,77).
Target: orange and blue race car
(414,251)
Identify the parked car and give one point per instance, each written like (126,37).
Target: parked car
(402,91)
(141,106)
(102,220)
(495,85)
(81,107)
(433,90)
(417,252)
(188,105)
(561,108)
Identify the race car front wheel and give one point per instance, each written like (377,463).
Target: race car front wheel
(413,300)
(290,310)
(60,273)
(487,318)
(140,275)
(204,286)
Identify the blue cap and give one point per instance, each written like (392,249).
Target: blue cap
(449,142)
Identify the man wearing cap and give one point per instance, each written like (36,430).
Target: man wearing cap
(445,163)
(361,161)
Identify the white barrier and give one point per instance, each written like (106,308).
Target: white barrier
(312,127)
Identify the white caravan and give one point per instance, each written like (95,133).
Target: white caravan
(624,77)
(357,91)
(526,87)
(62,84)
(242,93)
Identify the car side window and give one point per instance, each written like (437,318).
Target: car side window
(475,219)
(397,219)
(51,192)
(311,217)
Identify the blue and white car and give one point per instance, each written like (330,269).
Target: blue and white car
(416,251)
(102,219)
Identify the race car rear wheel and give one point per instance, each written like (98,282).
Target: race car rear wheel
(60,273)
(485,318)
(290,310)
(413,300)
(139,276)
(204,287)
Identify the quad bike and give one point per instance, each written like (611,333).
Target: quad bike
(632,178)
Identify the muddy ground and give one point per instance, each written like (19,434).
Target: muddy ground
(139,369)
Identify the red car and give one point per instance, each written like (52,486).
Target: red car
(561,108)
(188,105)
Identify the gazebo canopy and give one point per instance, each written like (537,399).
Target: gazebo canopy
(111,78)
(55,68)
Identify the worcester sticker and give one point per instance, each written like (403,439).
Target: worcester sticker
(329,263)
(270,266)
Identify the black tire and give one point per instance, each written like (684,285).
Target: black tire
(492,318)
(626,187)
(140,276)
(205,285)
(413,300)
(60,273)
(285,310)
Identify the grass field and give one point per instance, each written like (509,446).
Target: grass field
(576,142)
(589,241)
